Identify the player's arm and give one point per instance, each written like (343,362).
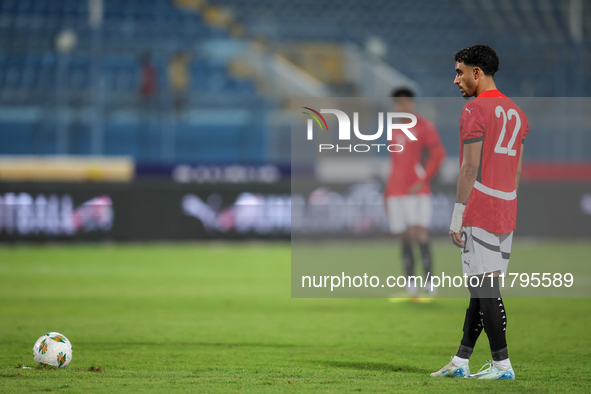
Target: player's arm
(466,179)
(468,171)
(436,155)
(518,176)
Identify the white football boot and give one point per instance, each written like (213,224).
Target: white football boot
(492,372)
(453,371)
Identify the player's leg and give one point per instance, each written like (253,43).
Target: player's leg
(408,259)
(409,209)
(459,364)
(473,326)
(494,317)
(425,247)
(398,221)
(409,206)
(492,307)
(420,235)
(420,222)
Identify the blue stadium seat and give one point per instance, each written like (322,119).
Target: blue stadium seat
(208,142)
(17,138)
(121,139)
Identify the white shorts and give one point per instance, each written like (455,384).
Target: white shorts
(485,252)
(407,211)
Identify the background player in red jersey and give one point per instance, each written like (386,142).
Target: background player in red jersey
(492,132)
(408,193)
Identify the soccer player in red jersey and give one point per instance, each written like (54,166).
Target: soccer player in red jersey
(492,133)
(408,194)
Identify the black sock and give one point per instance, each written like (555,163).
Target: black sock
(426,258)
(472,326)
(495,322)
(408,259)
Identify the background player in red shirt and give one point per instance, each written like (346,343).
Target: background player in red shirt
(492,132)
(408,194)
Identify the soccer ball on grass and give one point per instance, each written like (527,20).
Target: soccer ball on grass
(53,349)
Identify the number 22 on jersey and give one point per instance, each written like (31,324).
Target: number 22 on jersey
(507,150)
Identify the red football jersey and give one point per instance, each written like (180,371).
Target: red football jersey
(410,165)
(501,125)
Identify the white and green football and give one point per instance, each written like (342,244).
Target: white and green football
(53,349)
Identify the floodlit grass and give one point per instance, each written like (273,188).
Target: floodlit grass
(219,318)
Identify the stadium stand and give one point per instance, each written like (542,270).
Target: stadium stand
(533,38)
(33,75)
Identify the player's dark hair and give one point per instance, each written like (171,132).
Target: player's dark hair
(481,56)
(402,92)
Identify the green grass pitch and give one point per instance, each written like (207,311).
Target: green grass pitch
(219,318)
